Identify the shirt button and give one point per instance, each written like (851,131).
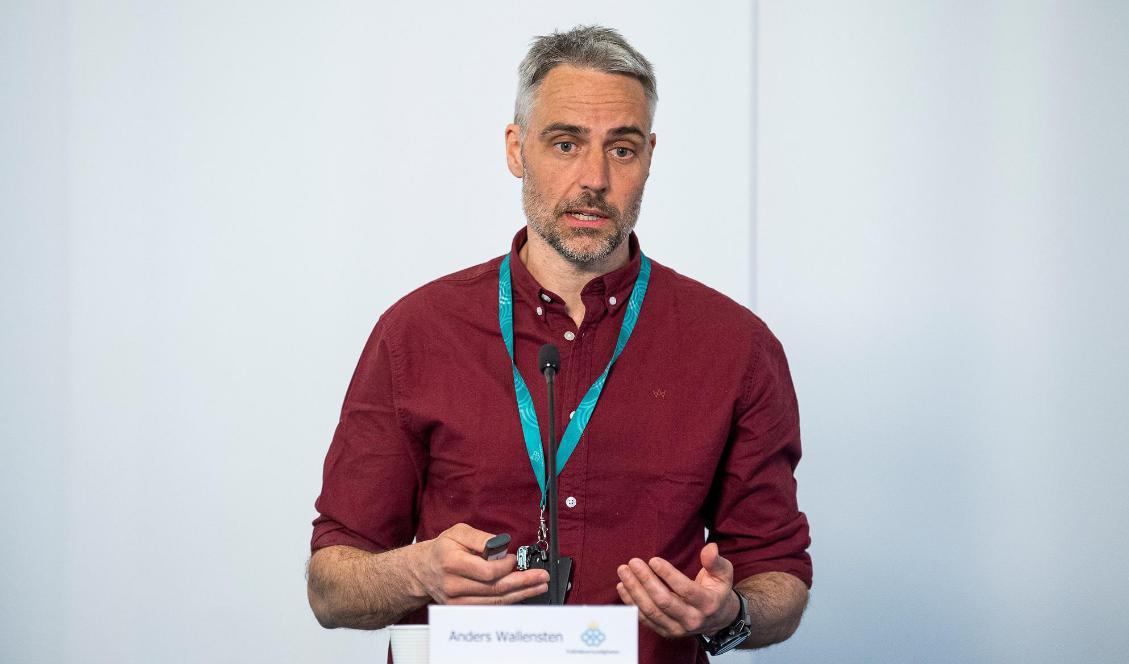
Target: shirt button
(570,501)
(546,297)
(571,414)
(540,311)
(569,336)
(612,300)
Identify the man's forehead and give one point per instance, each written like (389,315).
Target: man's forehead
(583,97)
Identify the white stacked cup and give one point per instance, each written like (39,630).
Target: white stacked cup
(409,644)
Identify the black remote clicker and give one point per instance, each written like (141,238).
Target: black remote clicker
(496,547)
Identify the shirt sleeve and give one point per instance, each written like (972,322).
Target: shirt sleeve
(757,523)
(372,477)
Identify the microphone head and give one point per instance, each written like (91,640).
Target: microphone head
(549,358)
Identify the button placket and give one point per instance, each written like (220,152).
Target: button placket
(572,488)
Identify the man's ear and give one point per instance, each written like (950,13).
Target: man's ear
(513,150)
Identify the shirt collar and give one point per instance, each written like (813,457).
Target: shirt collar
(610,290)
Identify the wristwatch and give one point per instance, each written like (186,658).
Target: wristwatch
(732,636)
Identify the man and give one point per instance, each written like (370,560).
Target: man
(695,428)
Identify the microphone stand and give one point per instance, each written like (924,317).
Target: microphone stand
(556,596)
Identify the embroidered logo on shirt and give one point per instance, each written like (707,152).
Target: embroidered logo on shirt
(658,393)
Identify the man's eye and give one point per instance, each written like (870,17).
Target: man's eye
(623,153)
(565,146)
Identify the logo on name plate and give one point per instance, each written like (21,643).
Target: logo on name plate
(592,637)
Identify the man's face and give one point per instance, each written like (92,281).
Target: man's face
(583,160)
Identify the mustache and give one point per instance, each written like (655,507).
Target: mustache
(591,202)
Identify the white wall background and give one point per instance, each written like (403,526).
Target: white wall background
(943,226)
(205,207)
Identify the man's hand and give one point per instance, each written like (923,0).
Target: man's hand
(452,570)
(672,604)
(349,587)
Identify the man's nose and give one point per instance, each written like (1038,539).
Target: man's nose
(594,171)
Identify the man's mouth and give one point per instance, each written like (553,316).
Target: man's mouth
(586,215)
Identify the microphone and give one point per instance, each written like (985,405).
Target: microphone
(549,359)
(549,362)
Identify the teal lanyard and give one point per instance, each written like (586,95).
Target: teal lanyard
(529,427)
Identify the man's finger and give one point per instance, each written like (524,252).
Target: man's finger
(715,565)
(473,566)
(523,594)
(520,581)
(648,612)
(470,538)
(624,595)
(642,599)
(670,603)
(519,584)
(456,586)
(643,619)
(659,629)
(508,598)
(678,582)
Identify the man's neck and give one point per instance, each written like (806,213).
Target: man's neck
(563,277)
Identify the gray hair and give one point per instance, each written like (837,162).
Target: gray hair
(585,47)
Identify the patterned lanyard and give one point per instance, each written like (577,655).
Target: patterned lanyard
(529,426)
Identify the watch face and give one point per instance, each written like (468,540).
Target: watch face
(719,647)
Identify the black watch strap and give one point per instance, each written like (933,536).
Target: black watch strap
(733,635)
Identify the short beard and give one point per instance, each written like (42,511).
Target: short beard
(543,219)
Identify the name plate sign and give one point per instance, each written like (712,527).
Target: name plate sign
(546,634)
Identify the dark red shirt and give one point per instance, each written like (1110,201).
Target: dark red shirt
(697,429)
